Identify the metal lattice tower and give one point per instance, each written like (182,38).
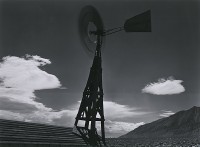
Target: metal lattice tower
(92,103)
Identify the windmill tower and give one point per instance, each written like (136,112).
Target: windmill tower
(92,35)
(92,102)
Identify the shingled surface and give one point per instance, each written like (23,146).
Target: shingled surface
(34,133)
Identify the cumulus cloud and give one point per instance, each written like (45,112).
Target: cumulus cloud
(114,111)
(164,87)
(166,113)
(24,73)
(118,128)
(39,116)
(116,114)
(8,104)
(5,114)
(21,77)
(113,125)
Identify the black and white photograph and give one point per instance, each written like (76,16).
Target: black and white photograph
(99,73)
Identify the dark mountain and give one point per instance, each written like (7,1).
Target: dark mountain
(182,124)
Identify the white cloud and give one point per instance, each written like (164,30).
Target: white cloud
(166,113)
(4,114)
(9,104)
(164,87)
(21,77)
(24,73)
(39,116)
(116,115)
(113,125)
(114,111)
(118,128)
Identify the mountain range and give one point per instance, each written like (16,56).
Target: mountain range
(181,124)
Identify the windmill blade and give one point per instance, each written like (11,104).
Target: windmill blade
(90,20)
(139,23)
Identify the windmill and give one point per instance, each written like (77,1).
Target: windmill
(92,35)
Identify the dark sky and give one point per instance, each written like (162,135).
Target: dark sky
(130,60)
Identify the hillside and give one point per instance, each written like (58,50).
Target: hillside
(182,124)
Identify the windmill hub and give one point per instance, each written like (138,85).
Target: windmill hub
(91,32)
